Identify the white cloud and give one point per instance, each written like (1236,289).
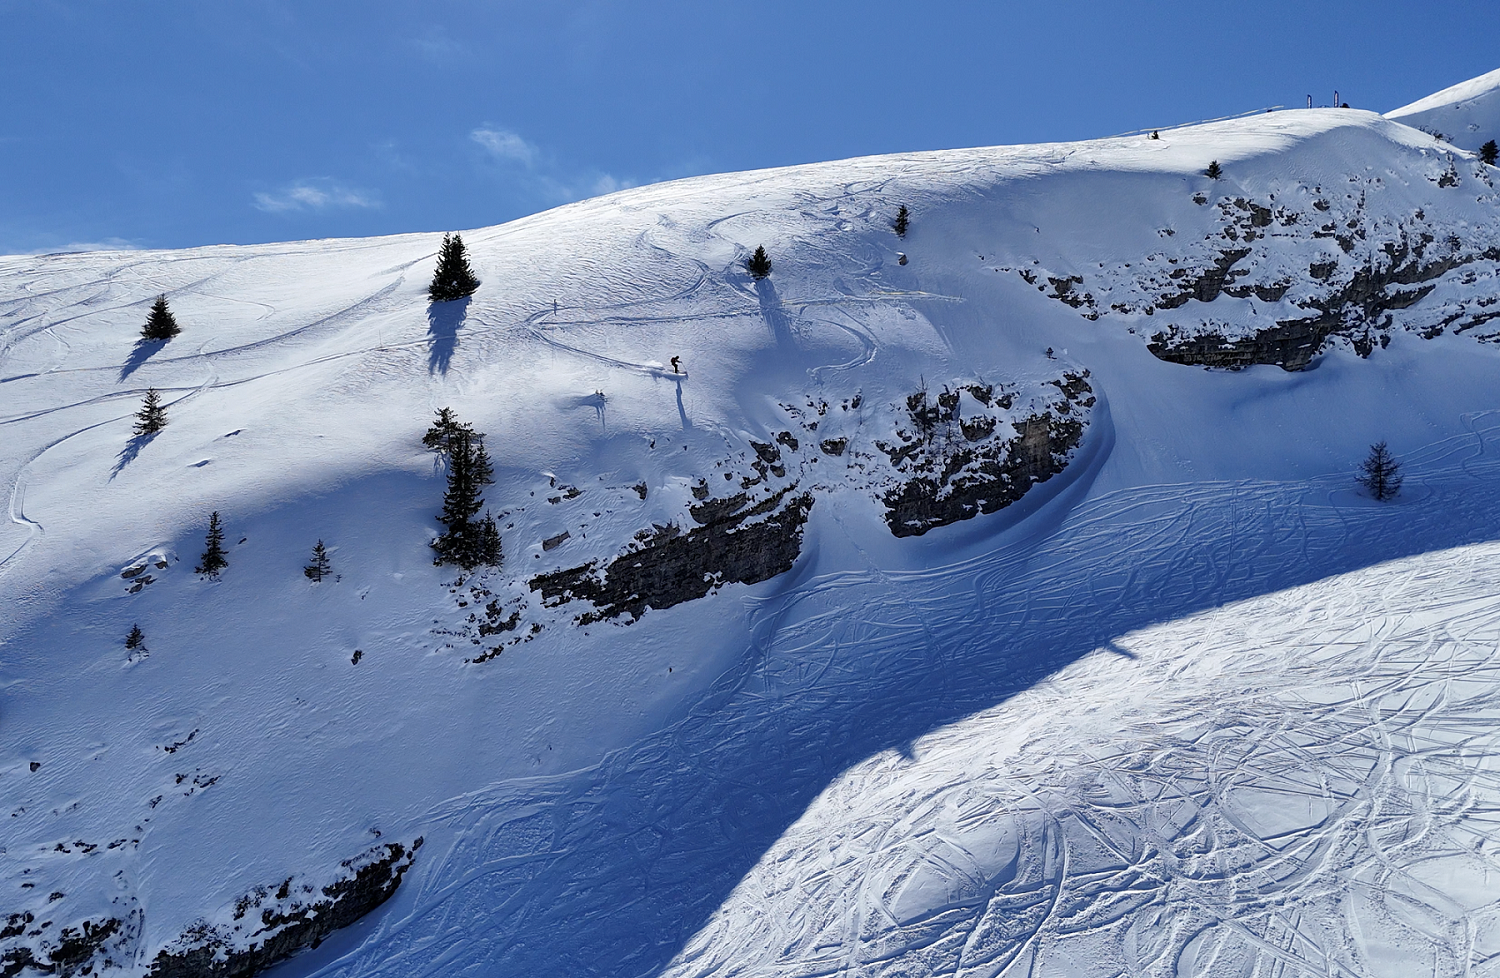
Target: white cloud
(504,145)
(607,184)
(435,44)
(544,178)
(313,195)
(103,244)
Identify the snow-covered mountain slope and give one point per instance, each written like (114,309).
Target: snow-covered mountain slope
(880,496)
(1303,782)
(1468,114)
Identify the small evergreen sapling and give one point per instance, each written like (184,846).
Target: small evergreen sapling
(1214,171)
(903,220)
(160,324)
(759,264)
(152,417)
(136,640)
(1488,152)
(213,559)
(321,566)
(1380,473)
(453,278)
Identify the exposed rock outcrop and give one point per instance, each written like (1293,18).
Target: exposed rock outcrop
(1357,310)
(955,468)
(72,951)
(736,541)
(1331,267)
(270,926)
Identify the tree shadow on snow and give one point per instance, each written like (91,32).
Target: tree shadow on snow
(443,321)
(143,351)
(626,862)
(775,313)
(129,452)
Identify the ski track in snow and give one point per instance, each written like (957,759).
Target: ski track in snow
(611,870)
(882,781)
(1312,807)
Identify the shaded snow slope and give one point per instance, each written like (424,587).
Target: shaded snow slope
(1302,783)
(1467,114)
(879,497)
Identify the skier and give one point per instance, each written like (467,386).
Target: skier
(675,361)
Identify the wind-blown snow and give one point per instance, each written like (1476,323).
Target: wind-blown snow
(895,751)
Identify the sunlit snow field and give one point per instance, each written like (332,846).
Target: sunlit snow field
(1195,706)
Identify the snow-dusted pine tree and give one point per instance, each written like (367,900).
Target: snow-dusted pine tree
(759,264)
(1380,472)
(1214,171)
(136,640)
(213,559)
(453,278)
(152,417)
(160,323)
(903,220)
(1488,153)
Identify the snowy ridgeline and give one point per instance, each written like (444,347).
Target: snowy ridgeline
(764,535)
(1463,114)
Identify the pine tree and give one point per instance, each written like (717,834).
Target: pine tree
(488,540)
(136,640)
(467,541)
(152,417)
(1488,152)
(213,559)
(439,437)
(453,278)
(160,324)
(1214,171)
(321,566)
(759,264)
(903,218)
(1380,473)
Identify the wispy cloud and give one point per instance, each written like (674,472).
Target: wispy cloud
(606,183)
(503,144)
(103,244)
(436,44)
(313,195)
(71,247)
(541,174)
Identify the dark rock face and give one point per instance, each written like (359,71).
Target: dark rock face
(956,468)
(735,542)
(70,952)
(285,924)
(1353,311)
(1207,284)
(1290,345)
(1368,270)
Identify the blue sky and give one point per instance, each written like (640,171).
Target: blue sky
(156,123)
